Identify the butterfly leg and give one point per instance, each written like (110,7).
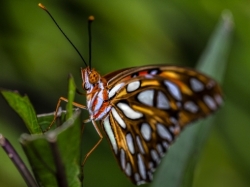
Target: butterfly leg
(95,146)
(58,106)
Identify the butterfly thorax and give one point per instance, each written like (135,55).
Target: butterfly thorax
(96,92)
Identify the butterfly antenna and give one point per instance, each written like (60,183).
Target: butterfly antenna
(91,19)
(44,8)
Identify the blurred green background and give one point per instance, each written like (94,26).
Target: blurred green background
(36,59)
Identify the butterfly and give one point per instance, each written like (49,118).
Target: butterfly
(143,109)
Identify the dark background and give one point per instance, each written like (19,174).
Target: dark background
(35,59)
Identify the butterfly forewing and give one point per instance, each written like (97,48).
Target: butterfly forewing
(150,105)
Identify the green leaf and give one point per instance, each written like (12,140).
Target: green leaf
(178,166)
(23,107)
(71,96)
(55,156)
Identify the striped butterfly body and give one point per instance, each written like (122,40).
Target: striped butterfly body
(143,109)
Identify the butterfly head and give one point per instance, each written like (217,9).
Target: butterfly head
(90,78)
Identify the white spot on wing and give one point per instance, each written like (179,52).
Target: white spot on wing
(122,159)
(165,145)
(150,175)
(163,132)
(146,131)
(141,166)
(113,91)
(140,183)
(129,112)
(137,177)
(128,170)
(155,156)
(151,166)
(133,86)
(173,89)
(146,97)
(160,150)
(162,101)
(174,121)
(110,133)
(154,72)
(210,102)
(138,140)
(196,85)
(175,129)
(191,106)
(130,143)
(118,118)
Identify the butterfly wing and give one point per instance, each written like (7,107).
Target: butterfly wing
(150,105)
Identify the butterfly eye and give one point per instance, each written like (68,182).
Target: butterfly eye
(86,86)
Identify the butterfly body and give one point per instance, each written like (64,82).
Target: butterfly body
(97,94)
(143,109)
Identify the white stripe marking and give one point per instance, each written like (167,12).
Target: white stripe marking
(122,159)
(130,143)
(103,113)
(162,101)
(175,129)
(174,121)
(138,140)
(154,72)
(196,85)
(141,166)
(146,131)
(163,132)
(129,112)
(165,145)
(140,183)
(146,97)
(133,86)
(173,89)
(151,166)
(150,175)
(90,103)
(118,118)
(116,88)
(160,150)
(110,133)
(209,102)
(128,170)
(137,177)
(99,101)
(155,156)
(191,106)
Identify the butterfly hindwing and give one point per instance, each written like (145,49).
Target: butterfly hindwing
(150,106)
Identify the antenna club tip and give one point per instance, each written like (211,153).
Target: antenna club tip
(41,6)
(91,18)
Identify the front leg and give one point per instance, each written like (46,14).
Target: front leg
(58,106)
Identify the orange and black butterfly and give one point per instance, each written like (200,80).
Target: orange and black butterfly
(143,109)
